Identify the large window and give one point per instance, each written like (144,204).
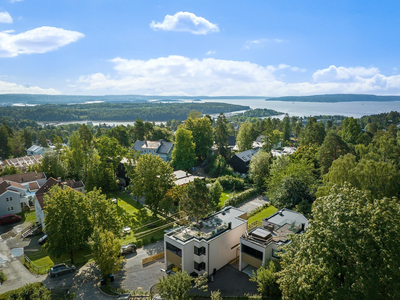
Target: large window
(199,266)
(252,252)
(174,249)
(199,251)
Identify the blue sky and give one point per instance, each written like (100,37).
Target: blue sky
(261,48)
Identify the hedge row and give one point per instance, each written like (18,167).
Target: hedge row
(257,210)
(240,197)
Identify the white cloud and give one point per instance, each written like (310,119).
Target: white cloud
(260,43)
(187,22)
(342,74)
(13,1)
(211,53)
(13,88)
(38,40)
(5,17)
(179,75)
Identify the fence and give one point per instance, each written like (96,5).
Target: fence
(38,270)
(152,258)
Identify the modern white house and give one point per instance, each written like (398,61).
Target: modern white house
(208,245)
(261,243)
(45,188)
(160,148)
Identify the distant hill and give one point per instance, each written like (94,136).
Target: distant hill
(27,99)
(335,98)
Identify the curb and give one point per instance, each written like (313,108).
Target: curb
(110,296)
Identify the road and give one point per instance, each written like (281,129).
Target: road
(84,281)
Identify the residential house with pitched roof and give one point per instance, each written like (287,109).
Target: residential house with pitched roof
(160,148)
(21,163)
(240,161)
(45,188)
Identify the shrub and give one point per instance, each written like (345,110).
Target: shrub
(257,210)
(229,182)
(240,197)
(3,277)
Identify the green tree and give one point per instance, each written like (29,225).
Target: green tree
(286,128)
(42,139)
(27,138)
(54,165)
(202,132)
(215,193)
(103,213)
(86,136)
(176,286)
(216,295)
(5,145)
(32,291)
(348,252)
(153,177)
(138,129)
(259,168)
(196,202)
(183,155)
(221,135)
(105,247)
(332,148)
(67,220)
(314,133)
(298,128)
(351,130)
(218,166)
(121,135)
(194,114)
(245,136)
(265,278)
(272,140)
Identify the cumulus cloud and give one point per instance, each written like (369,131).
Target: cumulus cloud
(342,74)
(38,40)
(5,17)
(13,88)
(260,43)
(185,22)
(211,52)
(179,75)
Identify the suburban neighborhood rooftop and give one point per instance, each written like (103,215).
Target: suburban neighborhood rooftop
(211,226)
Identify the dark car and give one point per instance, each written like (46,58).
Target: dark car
(61,269)
(129,248)
(10,218)
(43,239)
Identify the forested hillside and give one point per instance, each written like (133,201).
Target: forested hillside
(116,111)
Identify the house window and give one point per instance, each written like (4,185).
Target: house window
(10,198)
(252,252)
(199,266)
(10,208)
(7,199)
(174,249)
(199,251)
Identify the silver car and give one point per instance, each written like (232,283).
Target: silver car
(61,269)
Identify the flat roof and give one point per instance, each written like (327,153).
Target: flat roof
(211,226)
(287,216)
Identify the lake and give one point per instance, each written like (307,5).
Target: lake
(349,109)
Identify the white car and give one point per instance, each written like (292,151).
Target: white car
(126,230)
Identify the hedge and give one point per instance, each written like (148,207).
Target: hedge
(240,197)
(229,182)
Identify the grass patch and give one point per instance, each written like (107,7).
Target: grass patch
(263,214)
(42,261)
(125,202)
(224,196)
(28,216)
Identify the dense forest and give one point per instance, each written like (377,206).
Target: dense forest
(116,111)
(335,98)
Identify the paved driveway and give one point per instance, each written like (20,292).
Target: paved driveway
(136,276)
(253,203)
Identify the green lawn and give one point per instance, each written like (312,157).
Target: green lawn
(224,196)
(266,212)
(28,216)
(126,203)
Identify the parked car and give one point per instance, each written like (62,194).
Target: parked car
(124,296)
(129,248)
(10,218)
(61,269)
(43,239)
